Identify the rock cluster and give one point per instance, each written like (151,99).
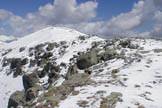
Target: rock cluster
(43,60)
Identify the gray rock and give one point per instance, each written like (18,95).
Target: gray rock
(86,60)
(108,54)
(21,49)
(30,80)
(16,99)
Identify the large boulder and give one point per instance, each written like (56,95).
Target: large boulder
(86,60)
(16,99)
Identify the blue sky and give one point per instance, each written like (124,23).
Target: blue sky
(106,8)
(103,17)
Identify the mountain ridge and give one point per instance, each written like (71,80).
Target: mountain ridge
(81,71)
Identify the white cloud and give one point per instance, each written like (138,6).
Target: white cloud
(4,14)
(81,16)
(60,12)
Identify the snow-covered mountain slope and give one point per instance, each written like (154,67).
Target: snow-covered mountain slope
(49,34)
(63,68)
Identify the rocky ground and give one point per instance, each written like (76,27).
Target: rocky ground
(80,71)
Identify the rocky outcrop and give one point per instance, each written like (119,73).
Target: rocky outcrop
(30,80)
(56,94)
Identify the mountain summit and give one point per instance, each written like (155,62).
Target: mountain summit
(49,34)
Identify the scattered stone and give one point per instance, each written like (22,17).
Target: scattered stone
(144,52)
(81,37)
(157,50)
(137,86)
(83,103)
(21,49)
(75,93)
(88,71)
(6,52)
(114,72)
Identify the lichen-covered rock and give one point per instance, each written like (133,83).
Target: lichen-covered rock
(31,93)
(111,100)
(71,71)
(88,59)
(51,101)
(16,99)
(56,94)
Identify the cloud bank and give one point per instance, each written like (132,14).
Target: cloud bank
(60,12)
(144,14)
